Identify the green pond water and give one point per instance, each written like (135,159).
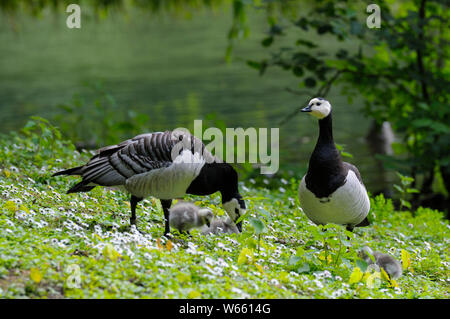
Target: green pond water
(171,69)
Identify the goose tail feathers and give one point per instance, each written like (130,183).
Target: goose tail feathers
(70,171)
(80,188)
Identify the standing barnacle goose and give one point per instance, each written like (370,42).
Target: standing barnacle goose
(165,165)
(332,191)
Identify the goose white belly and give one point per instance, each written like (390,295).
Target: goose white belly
(348,205)
(167,182)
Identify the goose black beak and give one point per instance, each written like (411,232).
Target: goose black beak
(307,109)
(239,226)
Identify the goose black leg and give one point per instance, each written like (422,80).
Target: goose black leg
(350,229)
(166,203)
(133,202)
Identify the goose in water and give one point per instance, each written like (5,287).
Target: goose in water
(165,165)
(184,216)
(390,265)
(332,191)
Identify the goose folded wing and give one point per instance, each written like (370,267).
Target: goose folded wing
(355,170)
(114,164)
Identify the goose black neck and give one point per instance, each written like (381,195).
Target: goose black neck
(326,130)
(325,172)
(325,154)
(215,177)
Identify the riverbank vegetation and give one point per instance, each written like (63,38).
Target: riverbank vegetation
(54,245)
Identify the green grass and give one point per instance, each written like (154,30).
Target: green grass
(46,237)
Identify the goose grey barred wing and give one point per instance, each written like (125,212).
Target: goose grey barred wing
(115,164)
(187,155)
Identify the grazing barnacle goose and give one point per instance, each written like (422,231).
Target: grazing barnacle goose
(165,165)
(184,216)
(390,265)
(221,226)
(332,191)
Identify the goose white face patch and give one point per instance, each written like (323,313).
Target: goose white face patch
(320,108)
(233,209)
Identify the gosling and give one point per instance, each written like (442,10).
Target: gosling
(184,216)
(221,226)
(390,265)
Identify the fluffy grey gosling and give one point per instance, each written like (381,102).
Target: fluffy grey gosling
(221,226)
(332,191)
(185,216)
(392,267)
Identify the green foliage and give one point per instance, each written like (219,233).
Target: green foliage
(342,152)
(401,69)
(54,245)
(404,189)
(102,8)
(102,123)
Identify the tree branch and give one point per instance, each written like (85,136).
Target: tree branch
(322,91)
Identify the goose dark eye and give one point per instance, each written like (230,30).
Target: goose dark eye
(318,103)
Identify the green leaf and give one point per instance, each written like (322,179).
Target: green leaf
(355,276)
(345,154)
(399,148)
(254,64)
(242,217)
(245,256)
(298,71)
(303,268)
(294,260)
(361,264)
(35,275)
(405,203)
(406,259)
(306,43)
(310,82)
(258,225)
(398,188)
(194,294)
(267,41)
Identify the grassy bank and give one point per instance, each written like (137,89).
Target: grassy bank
(54,245)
